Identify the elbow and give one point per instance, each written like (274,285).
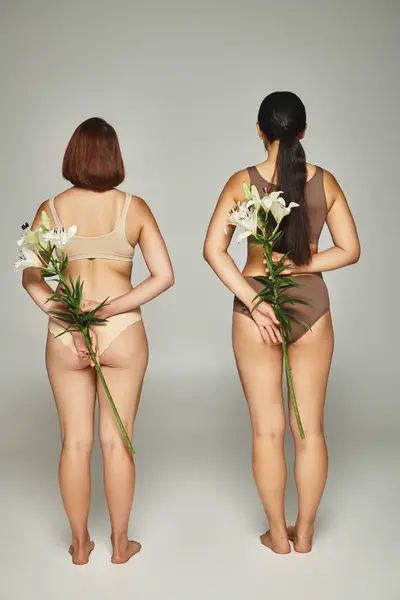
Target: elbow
(25,281)
(208,254)
(168,281)
(355,255)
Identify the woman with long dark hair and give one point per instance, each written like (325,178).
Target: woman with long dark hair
(110,224)
(256,336)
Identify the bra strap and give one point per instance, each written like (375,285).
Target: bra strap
(256,179)
(55,216)
(126,208)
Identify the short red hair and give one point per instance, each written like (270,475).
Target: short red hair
(93,158)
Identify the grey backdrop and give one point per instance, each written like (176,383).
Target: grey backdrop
(181,82)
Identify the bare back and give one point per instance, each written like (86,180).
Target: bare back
(98,216)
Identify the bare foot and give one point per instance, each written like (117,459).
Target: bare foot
(279,545)
(301,543)
(80,555)
(125,551)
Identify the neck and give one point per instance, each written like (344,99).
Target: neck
(272,150)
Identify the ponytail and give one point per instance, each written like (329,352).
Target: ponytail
(291,177)
(282,116)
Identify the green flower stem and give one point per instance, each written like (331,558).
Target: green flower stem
(107,391)
(84,329)
(271,267)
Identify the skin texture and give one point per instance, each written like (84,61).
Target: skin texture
(258,357)
(124,362)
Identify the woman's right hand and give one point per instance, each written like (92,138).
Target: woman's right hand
(81,345)
(267,322)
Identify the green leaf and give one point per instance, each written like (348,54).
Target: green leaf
(302,322)
(246,191)
(285,320)
(267,298)
(72,285)
(282,259)
(263,279)
(280,269)
(291,300)
(79,291)
(97,308)
(65,290)
(45,221)
(67,330)
(95,321)
(256,305)
(56,297)
(67,317)
(275,237)
(286,283)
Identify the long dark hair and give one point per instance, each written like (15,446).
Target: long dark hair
(282,116)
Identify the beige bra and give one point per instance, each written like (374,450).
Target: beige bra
(113,245)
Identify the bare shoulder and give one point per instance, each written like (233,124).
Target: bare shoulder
(139,210)
(238,178)
(234,186)
(139,220)
(43,207)
(332,188)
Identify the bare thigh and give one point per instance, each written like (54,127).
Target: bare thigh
(310,360)
(124,365)
(260,371)
(74,388)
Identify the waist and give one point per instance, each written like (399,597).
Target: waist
(101,278)
(255,267)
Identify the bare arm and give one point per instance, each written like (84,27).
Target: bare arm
(346,248)
(217,242)
(143,229)
(215,253)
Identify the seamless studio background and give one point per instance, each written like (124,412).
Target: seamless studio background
(182,82)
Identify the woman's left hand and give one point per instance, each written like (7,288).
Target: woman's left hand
(276,257)
(88,305)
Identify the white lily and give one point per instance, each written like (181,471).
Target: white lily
(253,198)
(31,239)
(28,258)
(60,237)
(245,218)
(280,210)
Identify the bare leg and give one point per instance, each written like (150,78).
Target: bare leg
(310,359)
(124,365)
(260,371)
(73,385)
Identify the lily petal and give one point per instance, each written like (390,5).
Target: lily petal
(242,236)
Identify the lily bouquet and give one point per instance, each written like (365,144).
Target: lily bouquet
(44,248)
(252,216)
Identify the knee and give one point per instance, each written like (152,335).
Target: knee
(77,444)
(313,434)
(270,432)
(112,444)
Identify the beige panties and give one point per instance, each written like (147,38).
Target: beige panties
(105,333)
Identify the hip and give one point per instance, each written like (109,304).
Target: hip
(310,289)
(106,333)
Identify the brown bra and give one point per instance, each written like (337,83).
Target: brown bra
(314,195)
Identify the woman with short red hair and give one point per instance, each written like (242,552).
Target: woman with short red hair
(110,224)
